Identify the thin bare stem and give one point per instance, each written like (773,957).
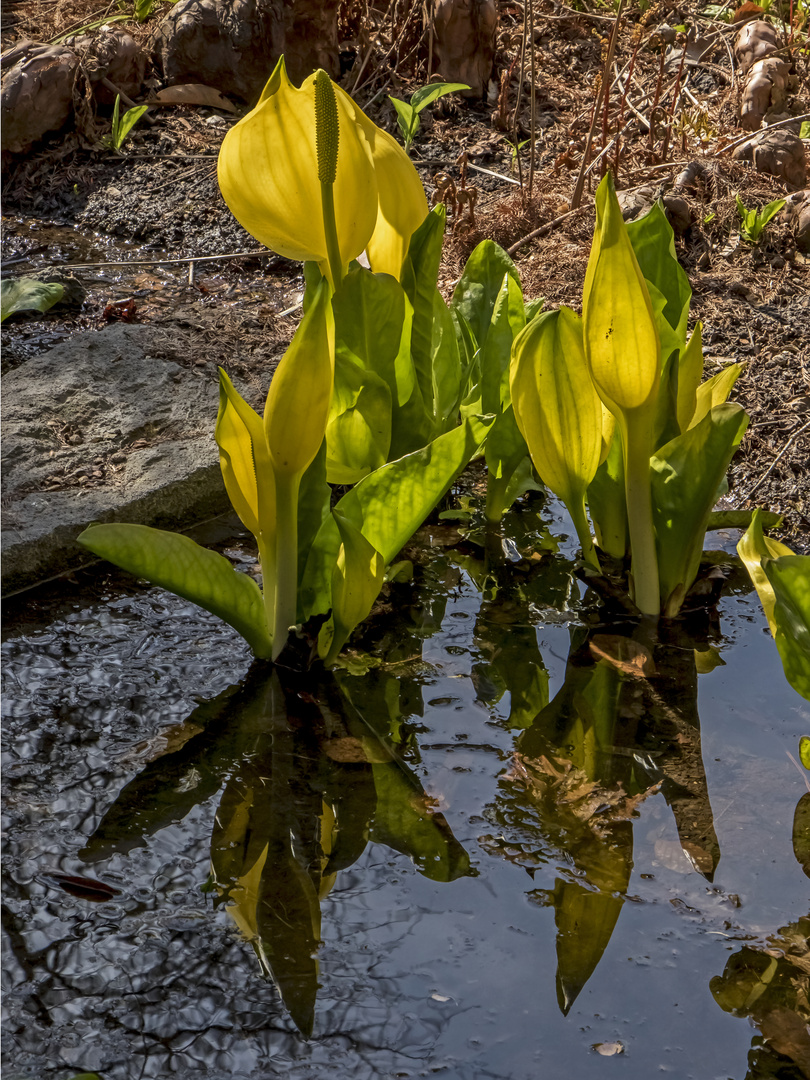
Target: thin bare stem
(579,186)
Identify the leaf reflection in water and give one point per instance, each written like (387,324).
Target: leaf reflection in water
(623,726)
(308,781)
(770,985)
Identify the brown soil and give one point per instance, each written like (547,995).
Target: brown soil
(66,204)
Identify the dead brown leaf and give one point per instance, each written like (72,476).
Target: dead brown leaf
(194,94)
(623,653)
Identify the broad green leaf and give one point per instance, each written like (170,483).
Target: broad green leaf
(558,411)
(449,374)
(178,564)
(607,503)
(789,577)
(358,436)
(356,582)
(389,505)
(714,391)
(426,95)
(653,242)
(504,450)
(475,295)
(406,820)
(534,307)
(26,294)
(585,919)
(685,476)
(297,408)
(314,497)
(690,372)
(420,271)
(508,319)
(373,317)
(804,751)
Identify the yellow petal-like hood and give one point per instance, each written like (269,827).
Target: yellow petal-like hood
(268,173)
(621,339)
(402,203)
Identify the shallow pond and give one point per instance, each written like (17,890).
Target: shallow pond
(518,847)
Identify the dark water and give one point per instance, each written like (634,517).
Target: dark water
(510,850)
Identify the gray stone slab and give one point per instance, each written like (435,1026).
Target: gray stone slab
(100,429)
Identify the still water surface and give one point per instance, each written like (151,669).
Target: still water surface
(495,852)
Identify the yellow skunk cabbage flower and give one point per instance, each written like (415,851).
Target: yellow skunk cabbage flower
(558,412)
(623,352)
(263,461)
(621,339)
(310,176)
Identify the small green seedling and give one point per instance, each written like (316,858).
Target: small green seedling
(753,222)
(408,114)
(516,148)
(122,125)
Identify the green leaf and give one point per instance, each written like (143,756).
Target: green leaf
(508,319)
(653,242)
(606,502)
(314,497)
(426,95)
(753,548)
(373,318)
(420,271)
(389,505)
(801,832)
(685,475)
(789,577)
(804,130)
(741,519)
(449,374)
(477,292)
(178,564)
(358,436)
(804,751)
(128,122)
(407,118)
(27,294)
(356,582)
(504,451)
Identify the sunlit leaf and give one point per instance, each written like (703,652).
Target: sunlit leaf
(26,294)
(685,475)
(176,563)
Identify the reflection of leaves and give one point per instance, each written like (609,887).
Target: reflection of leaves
(771,986)
(406,820)
(308,781)
(590,802)
(628,656)
(801,832)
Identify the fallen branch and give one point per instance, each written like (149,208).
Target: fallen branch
(160,262)
(777,459)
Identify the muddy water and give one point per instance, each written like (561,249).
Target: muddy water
(507,847)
